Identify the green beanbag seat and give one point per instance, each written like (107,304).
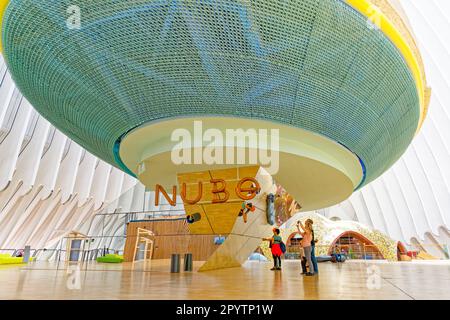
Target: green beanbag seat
(110,258)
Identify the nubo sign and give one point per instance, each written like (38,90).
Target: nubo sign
(246,189)
(212,147)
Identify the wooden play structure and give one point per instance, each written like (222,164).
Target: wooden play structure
(144,244)
(160,238)
(75,245)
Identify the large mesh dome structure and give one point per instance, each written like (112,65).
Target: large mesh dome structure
(312,64)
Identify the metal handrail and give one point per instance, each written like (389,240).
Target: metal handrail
(90,254)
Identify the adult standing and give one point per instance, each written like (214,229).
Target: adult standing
(306,233)
(301,255)
(313,247)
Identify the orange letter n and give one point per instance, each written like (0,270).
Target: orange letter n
(173,201)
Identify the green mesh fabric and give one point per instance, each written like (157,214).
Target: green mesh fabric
(312,64)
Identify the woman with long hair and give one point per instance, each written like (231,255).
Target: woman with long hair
(306,233)
(313,247)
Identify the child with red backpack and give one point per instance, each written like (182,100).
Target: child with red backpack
(278,248)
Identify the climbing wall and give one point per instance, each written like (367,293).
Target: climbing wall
(242,238)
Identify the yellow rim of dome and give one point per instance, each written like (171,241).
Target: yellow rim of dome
(3,5)
(372,12)
(369,10)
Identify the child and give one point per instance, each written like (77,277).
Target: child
(246,207)
(275,242)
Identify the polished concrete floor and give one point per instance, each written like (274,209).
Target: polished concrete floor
(151,280)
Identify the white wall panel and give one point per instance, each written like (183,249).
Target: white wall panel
(30,158)
(10,147)
(100,183)
(50,163)
(84,178)
(68,171)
